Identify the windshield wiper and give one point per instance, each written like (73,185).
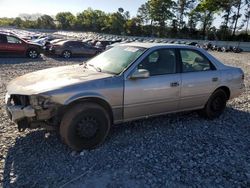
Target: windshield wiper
(98,69)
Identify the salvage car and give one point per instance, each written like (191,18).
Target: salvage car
(69,48)
(12,45)
(127,82)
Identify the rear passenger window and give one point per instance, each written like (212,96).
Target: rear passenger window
(192,61)
(13,40)
(74,44)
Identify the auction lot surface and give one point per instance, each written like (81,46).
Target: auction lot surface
(172,150)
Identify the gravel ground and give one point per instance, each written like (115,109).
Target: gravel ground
(177,150)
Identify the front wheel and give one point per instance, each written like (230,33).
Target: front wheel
(215,106)
(32,53)
(85,126)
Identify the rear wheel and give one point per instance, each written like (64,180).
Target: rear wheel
(85,126)
(215,106)
(66,54)
(32,53)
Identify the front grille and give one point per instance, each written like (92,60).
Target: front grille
(22,100)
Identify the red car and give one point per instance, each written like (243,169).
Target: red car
(11,45)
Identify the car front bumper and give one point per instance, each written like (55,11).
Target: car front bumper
(18,112)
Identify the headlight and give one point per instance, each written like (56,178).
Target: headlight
(39,102)
(7,97)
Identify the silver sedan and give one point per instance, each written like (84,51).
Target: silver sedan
(127,82)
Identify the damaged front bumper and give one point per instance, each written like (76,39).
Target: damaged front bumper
(20,112)
(20,115)
(27,113)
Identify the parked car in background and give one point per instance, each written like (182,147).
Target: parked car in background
(70,48)
(127,82)
(12,45)
(44,40)
(47,46)
(103,43)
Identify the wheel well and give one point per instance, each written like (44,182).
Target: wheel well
(98,101)
(226,90)
(66,51)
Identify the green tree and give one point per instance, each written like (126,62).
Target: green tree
(193,18)
(247,15)
(143,13)
(239,5)
(160,11)
(18,22)
(133,26)
(183,6)
(117,21)
(204,12)
(92,20)
(6,21)
(46,22)
(66,20)
(227,7)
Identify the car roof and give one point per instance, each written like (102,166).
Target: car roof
(152,45)
(7,33)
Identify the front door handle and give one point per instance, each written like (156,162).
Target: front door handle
(215,79)
(174,84)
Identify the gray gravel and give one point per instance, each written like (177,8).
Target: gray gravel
(177,150)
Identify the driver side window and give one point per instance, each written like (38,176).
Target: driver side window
(159,62)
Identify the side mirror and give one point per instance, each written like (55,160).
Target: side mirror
(140,73)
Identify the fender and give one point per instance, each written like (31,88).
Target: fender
(85,95)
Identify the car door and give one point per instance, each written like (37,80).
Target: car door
(157,94)
(199,78)
(3,45)
(87,50)
(15,46)
(73,47)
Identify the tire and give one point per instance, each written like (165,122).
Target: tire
(215,105)
(85,126)
(32,53)
(66,54)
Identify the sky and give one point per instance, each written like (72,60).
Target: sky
(12,8)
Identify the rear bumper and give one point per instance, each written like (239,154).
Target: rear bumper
(237,91)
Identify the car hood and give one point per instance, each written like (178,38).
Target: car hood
(51,79)
(35,44)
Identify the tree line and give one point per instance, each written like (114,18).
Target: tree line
(161,18)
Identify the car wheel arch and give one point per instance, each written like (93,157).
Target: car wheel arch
(226,90)
(97,100)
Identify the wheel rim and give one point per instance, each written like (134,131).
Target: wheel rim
(217,104)
(87,127)
(33,54)
(66,54)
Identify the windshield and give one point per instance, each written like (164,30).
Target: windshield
(116,59)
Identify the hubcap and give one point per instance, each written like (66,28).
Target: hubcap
(66,54)
(87,127)
(33,54)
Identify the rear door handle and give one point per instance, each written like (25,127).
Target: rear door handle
(215,79)
(174,84)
